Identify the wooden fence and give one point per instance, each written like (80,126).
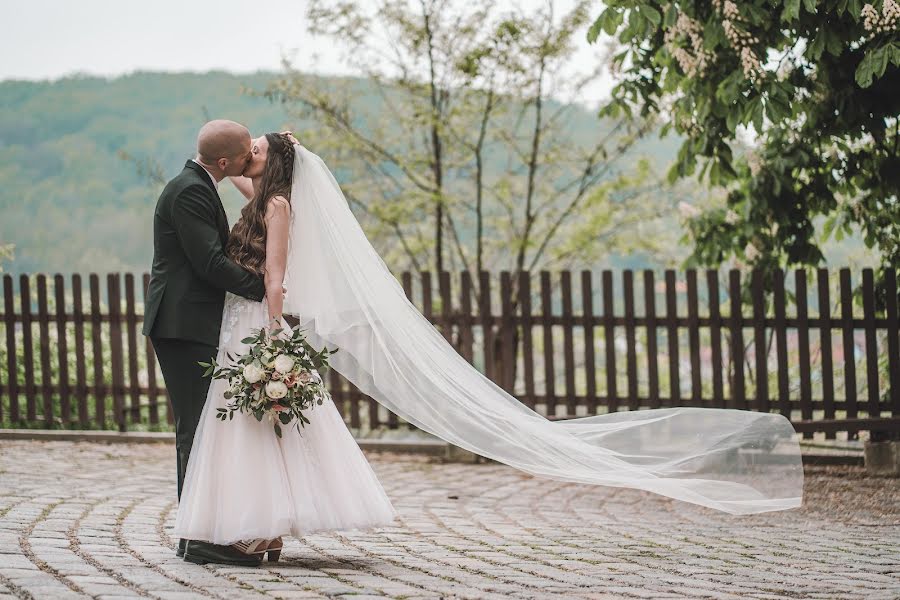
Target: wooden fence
(829,363)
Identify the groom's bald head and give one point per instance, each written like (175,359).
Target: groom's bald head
(222,140)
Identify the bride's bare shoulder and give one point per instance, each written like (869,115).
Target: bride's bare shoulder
(277,206)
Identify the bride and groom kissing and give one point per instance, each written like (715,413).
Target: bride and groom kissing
(298,249)
(240,488)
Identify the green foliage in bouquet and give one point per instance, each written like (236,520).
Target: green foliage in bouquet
(278,376)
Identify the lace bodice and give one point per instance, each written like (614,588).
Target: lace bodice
(235,307)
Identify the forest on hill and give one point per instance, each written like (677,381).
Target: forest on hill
(73,202)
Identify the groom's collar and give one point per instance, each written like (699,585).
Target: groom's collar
(194,165)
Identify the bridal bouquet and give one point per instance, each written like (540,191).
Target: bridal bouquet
(278,376)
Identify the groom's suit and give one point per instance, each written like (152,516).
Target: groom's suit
(186,295)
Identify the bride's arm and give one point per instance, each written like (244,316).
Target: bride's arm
(243,184)
(278,215)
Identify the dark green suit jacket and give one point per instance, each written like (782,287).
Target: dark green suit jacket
(190,272)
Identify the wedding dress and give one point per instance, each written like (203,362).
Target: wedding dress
(243,482)
(345,296)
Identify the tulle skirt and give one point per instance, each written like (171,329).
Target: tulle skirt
(243,482)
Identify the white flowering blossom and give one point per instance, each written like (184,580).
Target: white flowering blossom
(883,23)
(754,162)
(740,39)
(693,60)
(731,217)
(688,210)
(751,252)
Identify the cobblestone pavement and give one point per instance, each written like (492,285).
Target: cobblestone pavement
(80,519)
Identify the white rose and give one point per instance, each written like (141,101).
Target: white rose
(276,390)
(253,373)
(284,363)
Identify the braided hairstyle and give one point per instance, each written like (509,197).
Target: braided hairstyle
(247,241)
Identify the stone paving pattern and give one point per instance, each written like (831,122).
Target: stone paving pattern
(82,519)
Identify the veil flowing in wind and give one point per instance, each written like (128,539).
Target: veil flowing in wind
(344,296)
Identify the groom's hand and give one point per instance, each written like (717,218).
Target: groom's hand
(290,135)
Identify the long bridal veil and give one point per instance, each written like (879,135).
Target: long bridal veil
(344,296)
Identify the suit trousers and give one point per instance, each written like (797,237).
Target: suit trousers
(187,390)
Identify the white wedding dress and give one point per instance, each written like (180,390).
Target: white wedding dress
(243,482)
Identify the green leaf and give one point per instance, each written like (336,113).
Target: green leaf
(671,16)
(673,173)
(714,172)
(248,340)
(828,226)
(814,51)
(895,54)
(277,429)
(651,14)
(881,59)
(731,120)
(594,32)
(758,115)
(809,5)
(865,70)
(791,10)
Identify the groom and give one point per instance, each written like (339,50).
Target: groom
(186,295)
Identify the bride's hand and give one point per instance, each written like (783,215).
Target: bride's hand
(278,323)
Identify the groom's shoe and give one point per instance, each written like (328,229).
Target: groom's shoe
(203,552)
(181,544)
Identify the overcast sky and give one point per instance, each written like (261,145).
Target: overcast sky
(47,39)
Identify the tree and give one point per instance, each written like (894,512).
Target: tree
(812,84)
(459,146)
(464,153)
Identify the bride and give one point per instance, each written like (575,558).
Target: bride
(245,486)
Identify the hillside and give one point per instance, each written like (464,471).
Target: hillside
(71,204)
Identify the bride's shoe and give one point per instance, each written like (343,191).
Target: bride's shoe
(274,549)
(257,546)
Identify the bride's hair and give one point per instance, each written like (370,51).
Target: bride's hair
(247,241)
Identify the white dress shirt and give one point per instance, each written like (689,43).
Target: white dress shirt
(215,183)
